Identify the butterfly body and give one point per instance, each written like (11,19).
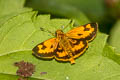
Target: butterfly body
(67,46)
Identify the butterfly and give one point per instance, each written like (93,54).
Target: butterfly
(67,46)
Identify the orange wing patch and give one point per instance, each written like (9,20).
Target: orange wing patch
(86,32)
(61,54)
(46,49)
(67,47)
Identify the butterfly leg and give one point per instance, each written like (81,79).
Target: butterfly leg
(72,61)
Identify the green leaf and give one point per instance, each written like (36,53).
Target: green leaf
(114,38)
(21,33)
(12,36)
(109,52)
(11,8)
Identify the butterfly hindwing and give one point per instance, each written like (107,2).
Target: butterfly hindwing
(86,32)
(46,49)
(78,46)
(61,54)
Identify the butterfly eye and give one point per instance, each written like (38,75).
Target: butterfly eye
(59,32)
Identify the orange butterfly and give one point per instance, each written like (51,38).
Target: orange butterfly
(67,46)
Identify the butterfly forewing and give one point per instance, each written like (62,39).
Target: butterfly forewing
(46,49)
(85,32)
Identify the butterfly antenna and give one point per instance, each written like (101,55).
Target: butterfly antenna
(69,24)
(42,29)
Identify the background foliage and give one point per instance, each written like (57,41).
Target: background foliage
(20,22)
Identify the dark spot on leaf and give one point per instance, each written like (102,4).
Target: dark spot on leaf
(26,69)
(42,29)
(42,73)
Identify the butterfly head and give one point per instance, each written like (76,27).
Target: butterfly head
(59,33)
